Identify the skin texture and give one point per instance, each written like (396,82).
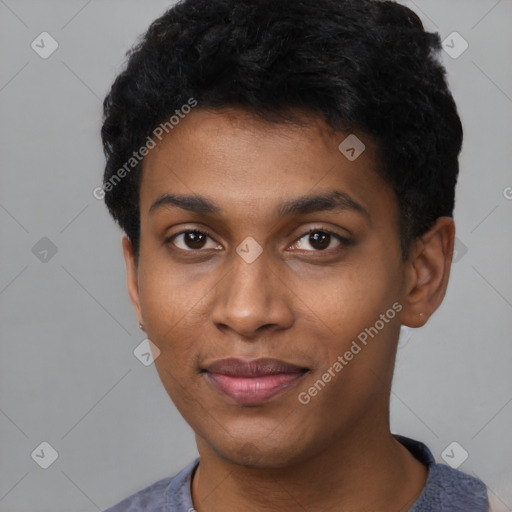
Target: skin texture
(295,302)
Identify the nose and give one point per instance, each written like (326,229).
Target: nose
(251,298)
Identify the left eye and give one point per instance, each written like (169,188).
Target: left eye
(318,239)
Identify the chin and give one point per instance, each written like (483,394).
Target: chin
(259,455)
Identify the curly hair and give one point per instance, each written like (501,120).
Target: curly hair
(362,65)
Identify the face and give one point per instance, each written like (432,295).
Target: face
(263,240)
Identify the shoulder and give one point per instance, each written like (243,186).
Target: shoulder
(155,497)
(451,490)
(446,489)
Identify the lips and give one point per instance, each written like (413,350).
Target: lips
(252,382)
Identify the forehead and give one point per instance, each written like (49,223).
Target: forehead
(237,159)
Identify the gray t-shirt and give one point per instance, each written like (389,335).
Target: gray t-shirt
(446,489)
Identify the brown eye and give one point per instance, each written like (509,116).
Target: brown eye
(317,240)
(320,240)
(191,240)
(194,239)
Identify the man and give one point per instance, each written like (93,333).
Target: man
(285,173)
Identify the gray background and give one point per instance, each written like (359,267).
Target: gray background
(68,375)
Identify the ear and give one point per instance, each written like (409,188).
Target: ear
(131,276)
(428,270)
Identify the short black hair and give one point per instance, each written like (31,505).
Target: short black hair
(364,66)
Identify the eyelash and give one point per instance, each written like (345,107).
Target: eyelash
(343,241)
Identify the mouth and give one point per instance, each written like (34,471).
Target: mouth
(253,382)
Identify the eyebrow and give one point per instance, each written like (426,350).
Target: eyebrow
(193,203)
(334,200)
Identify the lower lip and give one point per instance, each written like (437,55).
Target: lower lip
(253,390)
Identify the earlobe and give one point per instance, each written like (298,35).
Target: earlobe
(428,272)
(131,276)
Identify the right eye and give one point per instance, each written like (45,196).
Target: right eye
(191,240)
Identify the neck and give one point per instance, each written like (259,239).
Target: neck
(369,470)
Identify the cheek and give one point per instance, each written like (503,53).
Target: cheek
(169,297)
(166,315)
(352,299)
(172,324)
(355,373)
(358,314)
